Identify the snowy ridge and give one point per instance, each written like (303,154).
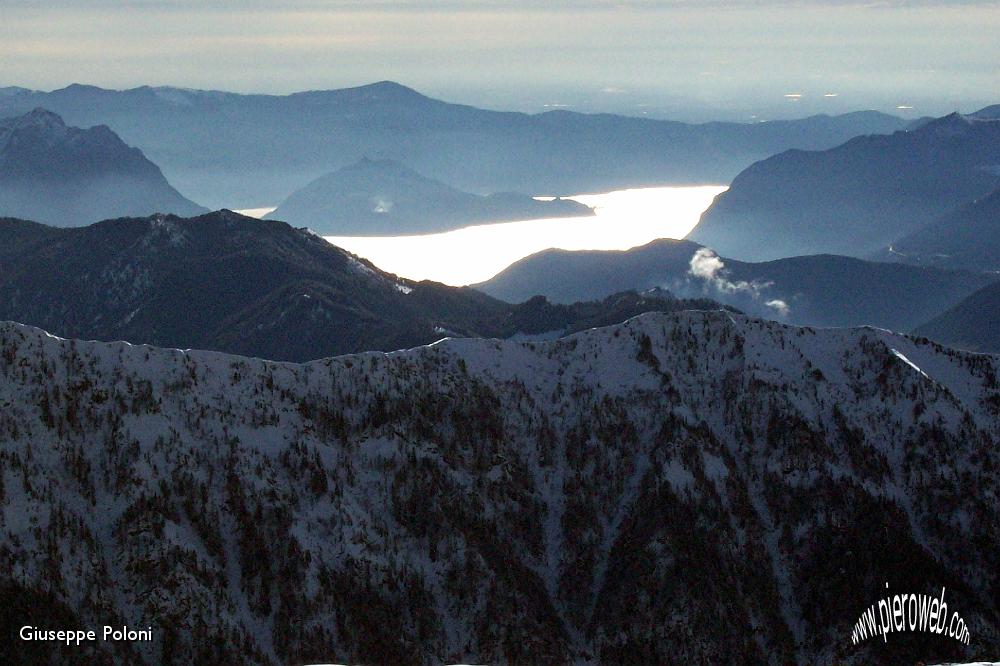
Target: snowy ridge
(633,493)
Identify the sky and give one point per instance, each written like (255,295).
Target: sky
(675,58)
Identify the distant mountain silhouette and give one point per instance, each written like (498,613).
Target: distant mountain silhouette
(227,149)
(383,197)
(66,175)
(968,237)
(565,276)
(973,324)
(256,287)
(988,113)
(857,198)
(821,290)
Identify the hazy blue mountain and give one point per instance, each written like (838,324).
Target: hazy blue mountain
(66,175)
(857,198)
(968,237)
(686,488)
(973,324)
(257,287)
(565,276)
(989,113)
(227,150)
(384,197)
(820,290)
(14,91)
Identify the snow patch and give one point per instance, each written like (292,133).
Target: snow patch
(908,362)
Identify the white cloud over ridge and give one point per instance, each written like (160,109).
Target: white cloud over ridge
(706,265)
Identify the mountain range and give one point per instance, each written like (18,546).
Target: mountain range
(226,282)
(696,487)
(817,290)
(858,198)
(384,197)
(269,451)
(227,149)
(62,175)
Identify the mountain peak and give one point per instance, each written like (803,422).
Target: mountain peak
(64,175)
(81,88)
(380,91)
(383,196)
(949,125)
(37,118)
(389,87)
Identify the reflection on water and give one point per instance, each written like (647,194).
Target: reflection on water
(624,219)
(255,212)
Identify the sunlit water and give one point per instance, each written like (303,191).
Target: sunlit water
(624,219)
(255,212)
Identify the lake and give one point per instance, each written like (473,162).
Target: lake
(623,219)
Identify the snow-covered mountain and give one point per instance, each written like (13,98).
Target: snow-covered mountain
(695,487)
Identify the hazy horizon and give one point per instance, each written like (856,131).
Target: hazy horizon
(682,60)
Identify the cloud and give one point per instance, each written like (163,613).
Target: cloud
(708,266)
(779,305)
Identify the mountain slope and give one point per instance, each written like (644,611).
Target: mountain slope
(965,238)
(383,197)
(973,324)
(232,283)
(565,276)
(991,112)
(19,237)
(819,290)
(67,176)
(230,150)
(696,487)
(857,198)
